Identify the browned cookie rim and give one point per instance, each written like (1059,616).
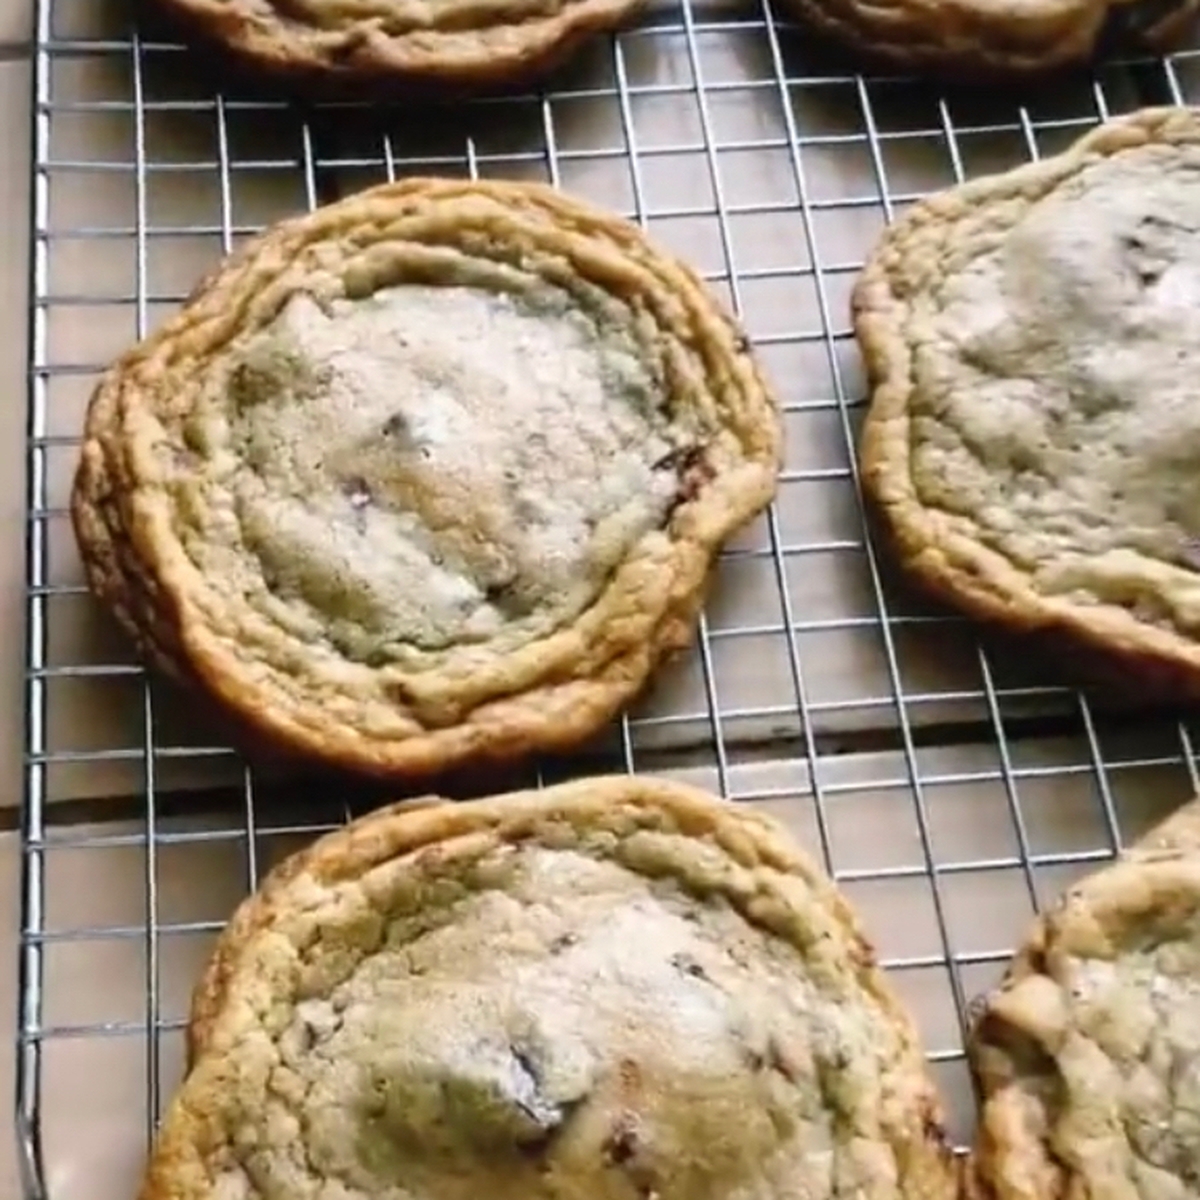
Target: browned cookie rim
(962,41)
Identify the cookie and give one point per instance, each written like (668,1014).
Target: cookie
(428,478)
(973,41)
(1032,444)
(1086,1054)
(616,988)
(393,47)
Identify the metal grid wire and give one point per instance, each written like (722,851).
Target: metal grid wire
(936,778)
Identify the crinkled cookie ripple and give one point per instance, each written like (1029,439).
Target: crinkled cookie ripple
(428,477)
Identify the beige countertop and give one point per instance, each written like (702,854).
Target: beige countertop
(941,836)
(14,237)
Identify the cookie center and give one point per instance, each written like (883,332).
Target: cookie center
(435,465)
(1056,388)
(605,1041)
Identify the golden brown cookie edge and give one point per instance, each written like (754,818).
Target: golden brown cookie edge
(366,64)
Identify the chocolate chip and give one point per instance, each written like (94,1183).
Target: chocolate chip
(497,593)
(564,942)
(622,1143)
(672,460)
(509,599)
(357,492)
(692,467)
(623,1148)
(396,426)
(689,966)
(695,472)
(240,380)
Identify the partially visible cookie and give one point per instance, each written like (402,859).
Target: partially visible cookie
(979,40)
(429,478)
(1032,443)
(613,989)
(426,46)
(1088,1054)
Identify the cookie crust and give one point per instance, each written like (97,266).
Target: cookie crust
(1079,1053)
(945,548)
(751,942)
(142,519)
(974,41)
(395,47)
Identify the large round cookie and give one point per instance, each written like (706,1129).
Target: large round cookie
(615,989)
(977,41)
(1033,438)
(428,477)
(394,46)
(1087,1054)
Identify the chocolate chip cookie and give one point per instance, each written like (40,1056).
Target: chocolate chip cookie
(618,989)
(1033,442)
(429,477)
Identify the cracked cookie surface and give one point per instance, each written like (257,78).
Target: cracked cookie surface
(427,46)
(1032,442)
(433,475)
(618,989)
(1087,1053)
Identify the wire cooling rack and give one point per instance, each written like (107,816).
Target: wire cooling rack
(949,786)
